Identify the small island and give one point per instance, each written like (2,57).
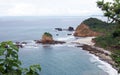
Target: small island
(47,38)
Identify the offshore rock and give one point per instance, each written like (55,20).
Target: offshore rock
(70,29)
(48,39)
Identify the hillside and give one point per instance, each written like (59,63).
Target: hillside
(111,38)
(98,25)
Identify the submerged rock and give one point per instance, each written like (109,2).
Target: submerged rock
(59,29)
(69,34)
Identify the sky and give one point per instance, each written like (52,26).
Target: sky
(49,8)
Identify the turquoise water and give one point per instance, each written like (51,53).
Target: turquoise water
(54,59)
(31,28)
(60,60)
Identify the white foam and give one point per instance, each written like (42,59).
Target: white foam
(58,45)
(31,47)
(103,65)
(65,38)
(31,44)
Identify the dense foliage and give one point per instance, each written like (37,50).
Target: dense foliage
(107,42)
(111,41)
(48,34)
(110,9)
(10,63)
(99,26)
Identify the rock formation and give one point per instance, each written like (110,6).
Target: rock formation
(84,31)
(70,29)
(59,29)
(47,38)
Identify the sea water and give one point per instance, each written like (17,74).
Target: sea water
(65,59)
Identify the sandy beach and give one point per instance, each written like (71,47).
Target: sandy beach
(85,40)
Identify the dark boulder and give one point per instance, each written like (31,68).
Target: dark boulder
(69,34)
(70,29)
(59,29)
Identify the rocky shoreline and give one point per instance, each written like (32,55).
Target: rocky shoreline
(53,42)
(103,54)
(22,44)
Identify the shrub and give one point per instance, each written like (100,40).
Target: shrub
(116,33)
(48,34)
(106,41)
(10,63)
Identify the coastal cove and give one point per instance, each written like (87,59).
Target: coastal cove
(63,59)
(78,53)
(59,59)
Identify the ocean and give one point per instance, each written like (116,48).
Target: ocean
(60,59)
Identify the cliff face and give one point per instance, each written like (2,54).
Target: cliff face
(83,30)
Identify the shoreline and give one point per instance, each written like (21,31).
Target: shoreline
(99,53)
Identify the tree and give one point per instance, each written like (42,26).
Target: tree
(111,10)
(10,63)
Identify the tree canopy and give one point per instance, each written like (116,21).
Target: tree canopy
(110,10)
(10,63)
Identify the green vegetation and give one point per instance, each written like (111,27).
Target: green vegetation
(110,9)
(116,33)
(111,41)
(10,63)
(48,34)
(107,42)
(99,26)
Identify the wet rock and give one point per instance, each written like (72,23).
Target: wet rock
(69,34)
(57,34)
(18,44)
(70,29)
(59,29)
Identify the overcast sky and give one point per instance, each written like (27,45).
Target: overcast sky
(49,8)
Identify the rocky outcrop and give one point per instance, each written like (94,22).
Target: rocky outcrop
(59,29)
(100,52)
(83,30)
(48,39)
(70,29)
(53,42)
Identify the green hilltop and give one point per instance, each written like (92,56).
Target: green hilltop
(99,25)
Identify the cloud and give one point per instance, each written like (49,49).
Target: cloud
(21,9)
(48,8)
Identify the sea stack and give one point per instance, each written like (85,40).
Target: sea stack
(47,38)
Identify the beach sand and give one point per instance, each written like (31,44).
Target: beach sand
(99,55)
(85,40)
